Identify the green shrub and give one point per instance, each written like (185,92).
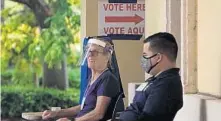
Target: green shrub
(16,76)
(6,76)
(17,99)
(74,77)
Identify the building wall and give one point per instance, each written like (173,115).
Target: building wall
(198,107)
(209,51)
(155,16)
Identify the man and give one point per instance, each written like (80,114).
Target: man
(160,97)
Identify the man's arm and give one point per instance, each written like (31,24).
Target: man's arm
(99,111)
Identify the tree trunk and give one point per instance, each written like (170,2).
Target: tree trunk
(35,79)
(56,78)
(2,7)
(51,77)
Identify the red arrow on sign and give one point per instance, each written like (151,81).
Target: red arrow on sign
(136,19)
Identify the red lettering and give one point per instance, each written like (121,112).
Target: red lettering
(118,7)
(105,6)
(106,30)
(128,7)
(115,6)
(111,7)
(114,30)
(141,30)
(130,31)
(121,7)
(136,30)
(111,30)
(139,7)
(122,30)
(135,7)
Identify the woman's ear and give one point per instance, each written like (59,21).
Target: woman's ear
(108,58)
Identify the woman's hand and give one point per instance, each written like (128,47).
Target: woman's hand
(63,119)
(49,114)
(77,119)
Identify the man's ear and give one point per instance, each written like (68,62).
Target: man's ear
(160,57)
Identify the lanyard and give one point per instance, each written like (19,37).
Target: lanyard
(88,87)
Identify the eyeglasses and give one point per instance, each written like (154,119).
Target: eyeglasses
(149,56)
(94,53)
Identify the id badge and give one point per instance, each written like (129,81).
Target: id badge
(142,86)
(82,104)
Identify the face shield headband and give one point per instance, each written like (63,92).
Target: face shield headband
(88,52)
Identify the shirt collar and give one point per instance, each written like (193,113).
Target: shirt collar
(164,74)
(168,72)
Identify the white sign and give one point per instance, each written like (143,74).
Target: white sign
(121,18)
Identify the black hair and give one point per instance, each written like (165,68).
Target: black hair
(164,43)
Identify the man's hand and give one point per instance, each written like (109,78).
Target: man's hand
(63,119)
(49,114)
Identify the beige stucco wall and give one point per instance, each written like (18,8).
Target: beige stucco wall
(200,31)
(128,52)
(209,51)
(189,45)
(155,16)
(89,18)
(128,57)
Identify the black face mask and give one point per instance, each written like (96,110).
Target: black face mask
(147,64)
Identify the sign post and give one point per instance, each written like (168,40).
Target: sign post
(121,18)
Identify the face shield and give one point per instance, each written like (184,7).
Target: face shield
(89,52)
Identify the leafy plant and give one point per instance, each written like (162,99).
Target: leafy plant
(24,46)
(17,99)
(74,77)
(18,31)
(54,42)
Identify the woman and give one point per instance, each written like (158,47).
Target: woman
(102,90)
